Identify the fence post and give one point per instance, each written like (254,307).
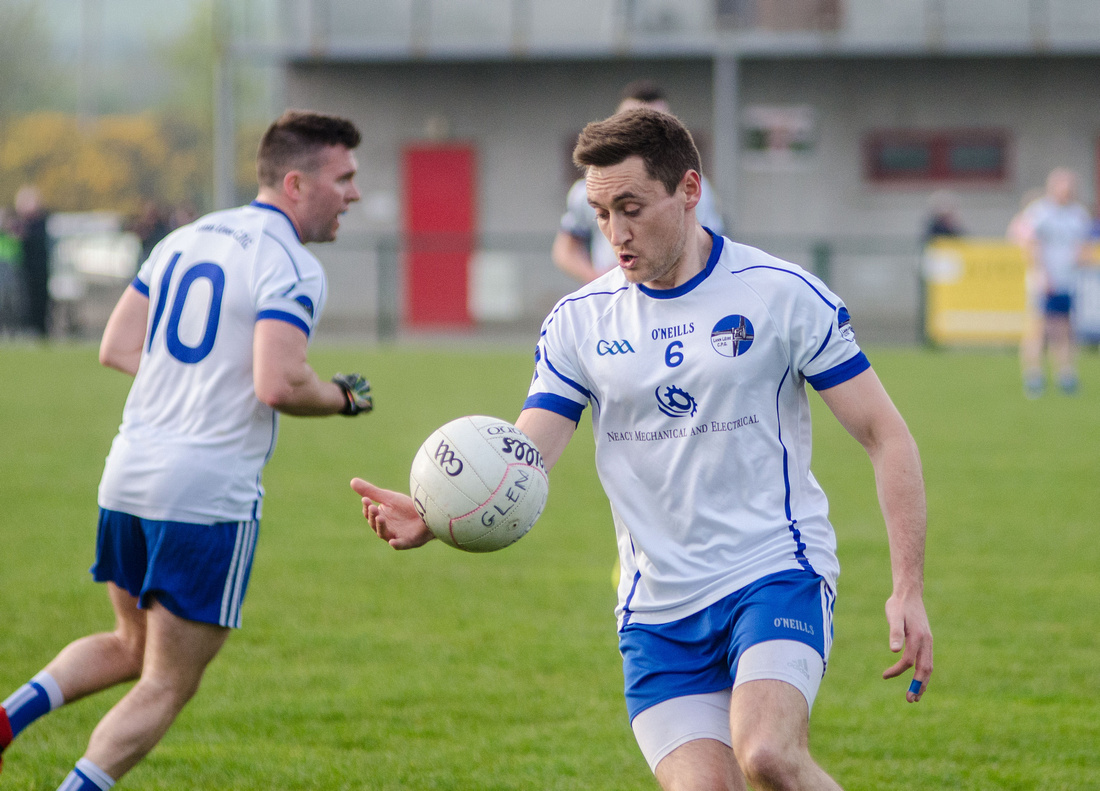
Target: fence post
(387,295)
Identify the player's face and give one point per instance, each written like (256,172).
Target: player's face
(646,226)
(326,193)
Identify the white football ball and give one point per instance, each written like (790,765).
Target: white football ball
(479,483)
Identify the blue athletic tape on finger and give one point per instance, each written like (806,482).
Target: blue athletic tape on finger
(914,687)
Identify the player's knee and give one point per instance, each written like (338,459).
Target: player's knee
(131,650)
(767,765)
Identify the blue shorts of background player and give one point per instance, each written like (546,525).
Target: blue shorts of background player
(679,675)
(197,572)
(1058,304)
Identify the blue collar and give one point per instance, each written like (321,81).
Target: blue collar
(683,288)
(268,206)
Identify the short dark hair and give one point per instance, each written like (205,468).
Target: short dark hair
(660,139)
(643,91)
(294,140)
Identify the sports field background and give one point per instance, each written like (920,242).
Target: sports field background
(362,668)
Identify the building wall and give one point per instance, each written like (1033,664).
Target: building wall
(522,115)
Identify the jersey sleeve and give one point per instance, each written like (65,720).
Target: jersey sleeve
(559,384)
(579,217)
(823,344)
(287,287)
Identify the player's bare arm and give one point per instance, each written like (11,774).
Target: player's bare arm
(283,377)
(549,431)
(124,336)
(570,254)
(865,410)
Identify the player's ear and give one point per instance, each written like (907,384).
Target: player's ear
(292,184)
(692,185)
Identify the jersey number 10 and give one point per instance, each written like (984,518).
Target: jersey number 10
(176,347)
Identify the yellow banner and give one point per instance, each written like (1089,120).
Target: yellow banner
(974,291)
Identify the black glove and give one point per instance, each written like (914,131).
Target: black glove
(357,397)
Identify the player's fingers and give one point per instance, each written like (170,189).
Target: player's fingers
(366,489)
(898,667)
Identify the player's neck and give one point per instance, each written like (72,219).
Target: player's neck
(692,261)
(279,201)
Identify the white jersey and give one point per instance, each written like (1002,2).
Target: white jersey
(1060,232)
(194,437)
(701,421)
(579,221)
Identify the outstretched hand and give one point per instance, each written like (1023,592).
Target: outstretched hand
(909,630)
(392,515)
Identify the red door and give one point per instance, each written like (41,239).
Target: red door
(440,226)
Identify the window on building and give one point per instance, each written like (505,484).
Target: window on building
(906,156)
(778,14)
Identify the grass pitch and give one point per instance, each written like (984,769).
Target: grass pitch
(362,668)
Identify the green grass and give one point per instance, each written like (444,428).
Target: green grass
(362,668)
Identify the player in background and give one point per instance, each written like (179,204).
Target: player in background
(579,249)
(214,329)
(1054,231)
(702,430)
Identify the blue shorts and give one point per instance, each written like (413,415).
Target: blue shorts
(698,654)
(198,572)
(1058,304)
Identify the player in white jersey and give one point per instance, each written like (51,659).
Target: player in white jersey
(580,249)
(214,329)
(694,356)
(1057,229)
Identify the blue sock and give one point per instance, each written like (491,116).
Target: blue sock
(39,696)
(86,777)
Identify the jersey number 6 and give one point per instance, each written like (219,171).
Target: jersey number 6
(673,357)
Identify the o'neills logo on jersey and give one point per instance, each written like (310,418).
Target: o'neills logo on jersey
(791,623)
(613,347)
(668,333)
(732,336)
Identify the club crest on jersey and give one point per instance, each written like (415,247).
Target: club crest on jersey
(674,402)
(613,347)
(844,321)
(732,336)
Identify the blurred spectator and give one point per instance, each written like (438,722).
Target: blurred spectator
(183,214)
(1054,229)
(11,286)
(151,225)
(943,217)
(30,228)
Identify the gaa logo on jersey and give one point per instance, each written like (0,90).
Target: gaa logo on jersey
(844,321)
(732,336)
(613,347)
(674,402)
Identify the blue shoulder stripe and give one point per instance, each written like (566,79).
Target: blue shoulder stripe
(788,272)
(140,287)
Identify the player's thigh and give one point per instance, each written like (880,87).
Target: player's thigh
(700,765)
(129,617)
(771,715)
(178,650)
